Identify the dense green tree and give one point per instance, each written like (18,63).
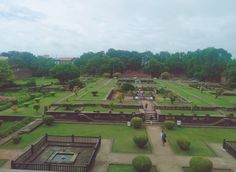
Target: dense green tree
(6,73)
(65,72)
(154,67)
(230,73)
(42,65)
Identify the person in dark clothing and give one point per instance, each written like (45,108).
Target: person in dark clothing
(163,138)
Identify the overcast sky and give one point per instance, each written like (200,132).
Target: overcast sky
(71,27)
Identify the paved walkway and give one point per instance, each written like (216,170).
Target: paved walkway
(10,155)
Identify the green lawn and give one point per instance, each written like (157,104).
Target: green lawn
(121,134)
(124,168)
(214,170)
(2,162)
(195,95)
(29,111)
(39,80)
(199,138)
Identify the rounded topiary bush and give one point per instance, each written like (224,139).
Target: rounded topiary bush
(37,100)
(52,93)
(142,164)
(200,164)
(26,104)
(16,139)
(183,143)
(169,124)
(141,140)
(136,122)
(48,119)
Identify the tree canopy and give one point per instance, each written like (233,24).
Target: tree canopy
(209,64)
(6,73)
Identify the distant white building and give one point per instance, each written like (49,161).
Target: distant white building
(65,60)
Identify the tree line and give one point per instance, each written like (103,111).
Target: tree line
(209,64)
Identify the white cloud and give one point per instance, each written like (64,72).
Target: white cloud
(71,27)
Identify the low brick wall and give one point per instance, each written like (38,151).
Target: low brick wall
(11,118)
(94,116)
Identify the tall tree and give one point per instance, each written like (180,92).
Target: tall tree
(65,72)
(6,73)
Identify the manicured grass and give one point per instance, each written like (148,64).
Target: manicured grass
(2,162)
(195,95)
(29,111)
(121,134)
(124,168)
(39,80)
(10,127)
(199,138)
(186,169)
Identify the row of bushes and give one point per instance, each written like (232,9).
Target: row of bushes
(18,125)
(197,164)
(47,119)
(5,106)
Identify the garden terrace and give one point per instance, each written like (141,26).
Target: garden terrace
(94,112)
(200,139)
(200,120)
(195,96)
(132,80)
(198,112)
(121,135)
(39,155)
(230,147)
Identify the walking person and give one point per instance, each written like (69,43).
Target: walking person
(163,137)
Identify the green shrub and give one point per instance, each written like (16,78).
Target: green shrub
(106,75)
(31,83)
(183,143)
(1,122)
(137,122)
(37,100)
(142,164)
(52,93)
(127,87)
(200,164)
(141,140)
(5,106)
(36,107)
(75,83)
(26,104)
(116,74)
(169,124)
(94,93)
(48,119)
(165,75)
(16,139)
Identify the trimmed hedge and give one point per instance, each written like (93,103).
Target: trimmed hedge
(183,143)
(5,106)
(137,122)
(141,140)
(19,124)
(16,139)
(142,164)
(200,164)
(48,119)
(169,124)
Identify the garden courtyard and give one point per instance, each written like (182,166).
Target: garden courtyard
(104,98)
